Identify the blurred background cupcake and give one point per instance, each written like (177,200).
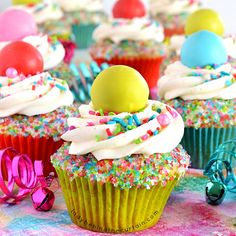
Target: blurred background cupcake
(121,159)
(83,16)
(34,105)
(131,38)
(202,19)
(202,88)
(173,14)
(50,19)
(18,24)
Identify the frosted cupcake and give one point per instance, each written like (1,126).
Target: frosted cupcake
(202,89)
(131,39)
(84,16)
(33,104)
(121,160)
(173,14)
(17,24)
(202,19)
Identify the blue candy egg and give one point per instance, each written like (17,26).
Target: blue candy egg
(202,49)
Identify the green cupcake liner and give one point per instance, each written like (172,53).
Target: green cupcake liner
(105,208)
(82,34)
(201,143)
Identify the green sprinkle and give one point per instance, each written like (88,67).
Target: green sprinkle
(97,138)
(138,141)
(101,112)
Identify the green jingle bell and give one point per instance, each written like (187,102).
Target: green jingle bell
(215,193)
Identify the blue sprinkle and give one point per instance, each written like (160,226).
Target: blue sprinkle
(155,132)
(61,87)
(227,83)
(223,73)
(136,120)
(120,121)
(214,76)
(111,122)
(159,110)
(130,121)
(152,117)
(49,78)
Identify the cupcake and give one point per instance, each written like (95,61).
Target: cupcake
(17,24)
(34,105)
(84,16)
(210,20)
(120,160)
(202,89)
(131,39)
(173,14)
(51,21)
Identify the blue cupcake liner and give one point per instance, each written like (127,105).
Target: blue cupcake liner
(82,34)
(201,143)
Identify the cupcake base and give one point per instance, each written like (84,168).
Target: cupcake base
(105,208)
(201,143)
(83,34)
(35,148)
(148,67)
(169,32)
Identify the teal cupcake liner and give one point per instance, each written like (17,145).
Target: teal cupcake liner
(201,143)
(82,34)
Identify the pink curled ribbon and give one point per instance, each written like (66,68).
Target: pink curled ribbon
(22,175)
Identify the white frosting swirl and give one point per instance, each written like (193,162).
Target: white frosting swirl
(33,95)
(83,5)
(171,7)
(138,29)
(53,54)
(84,141)
(42,12)
(189,84)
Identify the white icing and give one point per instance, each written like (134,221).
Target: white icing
(179,82)
(83,137)
(171,7)
(33,95)
(138,29)
(42,12)
(85,5)
(52,54)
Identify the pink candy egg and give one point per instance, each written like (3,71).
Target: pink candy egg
(16,24)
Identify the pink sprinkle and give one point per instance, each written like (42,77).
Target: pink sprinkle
(92,112)
(11,72)
(103,121)
(172,112)
(163,120)
(91,124)
(144,137)
(72,127)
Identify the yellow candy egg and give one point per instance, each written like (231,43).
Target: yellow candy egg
(204,19)
(16,2)
(119,89)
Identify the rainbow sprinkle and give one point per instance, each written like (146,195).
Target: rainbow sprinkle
(131,171)
(206,113)
(52,124)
